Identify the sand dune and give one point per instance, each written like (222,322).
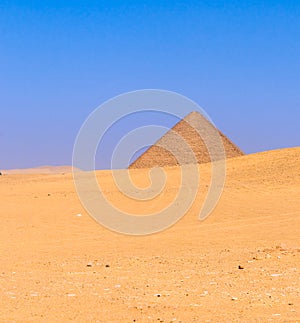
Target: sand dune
(239,265)
(40,170)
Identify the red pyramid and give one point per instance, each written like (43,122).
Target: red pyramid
(156,155)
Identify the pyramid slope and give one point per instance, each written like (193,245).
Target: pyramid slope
(157,156)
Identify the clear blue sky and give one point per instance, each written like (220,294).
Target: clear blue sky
(239,60)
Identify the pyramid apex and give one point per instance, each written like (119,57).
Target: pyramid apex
(193,113)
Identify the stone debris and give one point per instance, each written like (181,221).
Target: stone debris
(204,293)
(33,294)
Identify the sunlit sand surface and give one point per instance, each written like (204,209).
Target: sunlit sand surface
(240,264)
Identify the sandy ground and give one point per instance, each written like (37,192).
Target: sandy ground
(242,264)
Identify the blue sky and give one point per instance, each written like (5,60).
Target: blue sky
(59,60)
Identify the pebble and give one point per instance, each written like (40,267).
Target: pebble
(204,293)
(34,294)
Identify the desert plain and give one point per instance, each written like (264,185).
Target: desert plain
(241,264)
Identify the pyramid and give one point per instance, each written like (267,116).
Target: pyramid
(191,149)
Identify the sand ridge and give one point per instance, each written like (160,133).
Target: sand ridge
(39,170)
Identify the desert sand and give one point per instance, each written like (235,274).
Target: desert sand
(242,264)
